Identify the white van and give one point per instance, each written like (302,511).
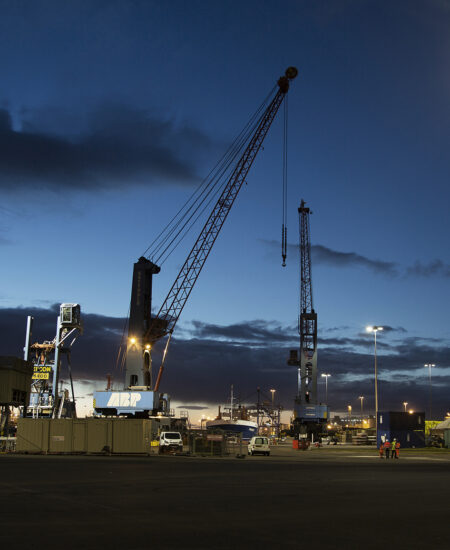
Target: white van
(259,444)
(170,441)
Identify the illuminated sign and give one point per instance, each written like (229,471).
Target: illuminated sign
(123,399)
(41,372)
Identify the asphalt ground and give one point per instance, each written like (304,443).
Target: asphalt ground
(332,497)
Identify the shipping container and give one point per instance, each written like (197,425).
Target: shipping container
(99,435)
(407,428)
(447,438)
(32,435)
(85,435)
(399,420)
(132,436)
(60,437)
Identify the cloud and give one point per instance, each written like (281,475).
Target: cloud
(193,407)
(387,329)
(251,332)
(323,255)
(200,370)
(336,329)
(436,267)
(119,146)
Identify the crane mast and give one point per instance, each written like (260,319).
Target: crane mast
(308,317)
(310,414)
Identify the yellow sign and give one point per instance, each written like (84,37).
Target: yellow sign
(41,372)
(40,376)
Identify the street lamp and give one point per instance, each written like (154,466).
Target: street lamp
(361,398)
(430,365)
(326,386)
(404,404)
(375,330)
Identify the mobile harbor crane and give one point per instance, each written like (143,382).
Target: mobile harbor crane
(309,414)
(141,396)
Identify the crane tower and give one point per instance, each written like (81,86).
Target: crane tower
(309,413)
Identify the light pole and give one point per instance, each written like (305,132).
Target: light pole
(361,398)
(404,404)
(273,395)
(430,365)
(273,410)
(375,330)
(326,376)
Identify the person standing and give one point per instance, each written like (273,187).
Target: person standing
(387,448)
(397,449)
(381,449)
(394,441)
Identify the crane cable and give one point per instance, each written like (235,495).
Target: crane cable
(178,227)
(210,184)
(204,204)
(284,193)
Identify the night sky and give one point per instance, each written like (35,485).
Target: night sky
(112,112)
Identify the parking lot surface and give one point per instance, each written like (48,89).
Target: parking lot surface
(325,498)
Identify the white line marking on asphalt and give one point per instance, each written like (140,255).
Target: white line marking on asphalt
(403,458)
(425,458)
(362,456)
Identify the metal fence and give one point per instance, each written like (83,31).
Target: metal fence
(215,443)
(7,444)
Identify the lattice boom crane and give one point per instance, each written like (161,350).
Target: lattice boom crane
(140,396)
(309,413)
(153,329)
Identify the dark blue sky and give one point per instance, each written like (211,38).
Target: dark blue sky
(112,112)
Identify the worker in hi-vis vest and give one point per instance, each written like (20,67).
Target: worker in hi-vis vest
(394,441)
(387,448)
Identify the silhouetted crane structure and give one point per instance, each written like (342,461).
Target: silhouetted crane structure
(224,182)
(310,415)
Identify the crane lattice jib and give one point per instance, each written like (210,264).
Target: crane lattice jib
(308,317)
(170,311)
(306,298)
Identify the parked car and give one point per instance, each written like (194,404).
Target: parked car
(170,441)
(259,444)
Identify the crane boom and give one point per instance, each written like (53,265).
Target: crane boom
(169,313)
